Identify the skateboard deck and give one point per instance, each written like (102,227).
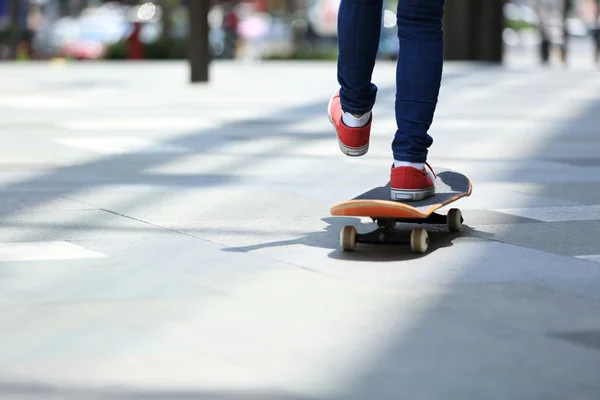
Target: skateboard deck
(450,186)
(376,203)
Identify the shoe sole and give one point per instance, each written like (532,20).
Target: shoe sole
(353,151)
(411,195)
(349,151)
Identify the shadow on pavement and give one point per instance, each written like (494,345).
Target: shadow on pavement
(329,238)
(446,350)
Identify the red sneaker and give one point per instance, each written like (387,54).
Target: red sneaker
(411,184)
(353,142)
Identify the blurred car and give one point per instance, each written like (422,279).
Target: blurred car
(88,36)
(49,40)
(93,36)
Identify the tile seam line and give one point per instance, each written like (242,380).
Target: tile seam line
(156,225)
(211,241)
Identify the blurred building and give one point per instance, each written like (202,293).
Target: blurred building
(89,29)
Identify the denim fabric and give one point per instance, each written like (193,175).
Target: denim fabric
(418,74)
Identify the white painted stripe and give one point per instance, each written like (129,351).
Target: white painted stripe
(130,124)
(45,251)
(119,145)
(556,214)
(593,257)
(41,102)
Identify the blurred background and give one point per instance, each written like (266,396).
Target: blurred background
(254,30)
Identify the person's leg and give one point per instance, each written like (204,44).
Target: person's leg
(564,47)
(359,30)
(419,74)
(541,11)
(597,33)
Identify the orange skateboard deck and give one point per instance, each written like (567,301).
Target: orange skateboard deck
(376,204)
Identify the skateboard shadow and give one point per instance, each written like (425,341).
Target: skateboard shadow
(473,232)
(329,239)
(439,239)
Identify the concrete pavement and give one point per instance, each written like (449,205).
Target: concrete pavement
(172,242)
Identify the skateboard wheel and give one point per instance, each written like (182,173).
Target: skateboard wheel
(419,240)
(454,220)
(348,238)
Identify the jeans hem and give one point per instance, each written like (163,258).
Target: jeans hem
(409,158)
(355,111)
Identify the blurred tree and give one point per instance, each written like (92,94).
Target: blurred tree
(199,51)
(167,16)
(15,9)
(473,30)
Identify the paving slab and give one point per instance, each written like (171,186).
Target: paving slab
(161,240)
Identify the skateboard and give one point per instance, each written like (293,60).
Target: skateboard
(376,204)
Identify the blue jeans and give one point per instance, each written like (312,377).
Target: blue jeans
(419,70)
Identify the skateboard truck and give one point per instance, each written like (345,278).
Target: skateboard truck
(386,233)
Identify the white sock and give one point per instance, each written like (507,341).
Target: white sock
(356,122)
(418,166)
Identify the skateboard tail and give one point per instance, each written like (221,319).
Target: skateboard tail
(375,209)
